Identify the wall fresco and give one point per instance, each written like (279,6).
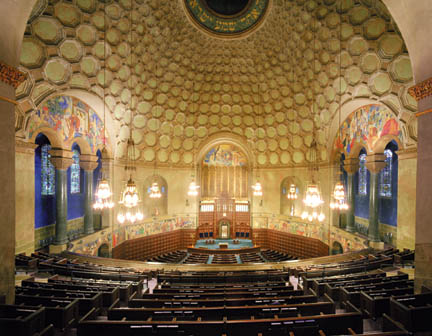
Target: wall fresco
(365,126)
(225,155)
(71,119)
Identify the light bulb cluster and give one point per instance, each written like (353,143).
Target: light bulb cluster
(257,189)
(313,201)
(193,189)
(292,193)
(339,198)
(155,191)
(129,200)
(130,216)
(103,196)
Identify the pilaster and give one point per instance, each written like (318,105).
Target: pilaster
(24,195)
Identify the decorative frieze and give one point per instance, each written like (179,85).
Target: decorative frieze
(421,90)
(11,75)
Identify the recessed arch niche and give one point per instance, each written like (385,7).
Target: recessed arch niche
(224,172)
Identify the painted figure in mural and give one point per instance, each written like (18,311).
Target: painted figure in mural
(365,126)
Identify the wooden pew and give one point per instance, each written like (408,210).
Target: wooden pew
(60,312)
(24,321)
(413,311)
(109,293)
(232,312)
(352,293)
(375,303)
(330,323)
(87,300)
(151,303)
(334,289)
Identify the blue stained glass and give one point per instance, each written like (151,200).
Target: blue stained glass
(283,191)
(47,171)
(75,173)
(362,179)
(385,189)
(163,190)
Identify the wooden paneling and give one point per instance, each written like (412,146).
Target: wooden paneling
(146,247)
(295,245)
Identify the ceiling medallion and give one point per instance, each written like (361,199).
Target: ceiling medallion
(227,19)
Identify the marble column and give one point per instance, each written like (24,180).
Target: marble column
(351,166)
(89,164)
(62,160)
(374,163)
(423,229)
(9,81)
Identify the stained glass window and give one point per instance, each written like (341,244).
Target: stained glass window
(48,172)
(75,173)
(385,189)
(362,179)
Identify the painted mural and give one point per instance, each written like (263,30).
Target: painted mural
(348,241)
(365,126)
(71,119)
(146,228)
(225,155)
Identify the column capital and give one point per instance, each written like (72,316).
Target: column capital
(375,163)
(11,75)
(404,154)
(88,162)
(351,165)
(25,147)
(61,158)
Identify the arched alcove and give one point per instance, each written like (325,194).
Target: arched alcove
(103,251)
(290,207)
(155,206)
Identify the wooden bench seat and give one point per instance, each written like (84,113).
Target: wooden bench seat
(87,300)
(62,313)
(375,303)
(352,293)
(413,311)
(148,303)
(23,320)
(330,323)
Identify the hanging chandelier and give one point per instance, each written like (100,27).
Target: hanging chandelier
(129,198)
(103,190)
(103,196)
(257,189)
(339,202)
(313,202)
(193,189)
(292,192)
(155,191)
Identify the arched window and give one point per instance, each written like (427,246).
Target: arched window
(362,176)
(47,171)
(75,172)
(385,189)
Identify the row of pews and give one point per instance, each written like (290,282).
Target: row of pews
(321,299)
(183,257)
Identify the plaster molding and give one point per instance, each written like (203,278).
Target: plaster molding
(407,154)
(421,90)
(351,166)
(24,147)
(11,75)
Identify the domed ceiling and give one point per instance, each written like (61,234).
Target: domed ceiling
(185,85)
